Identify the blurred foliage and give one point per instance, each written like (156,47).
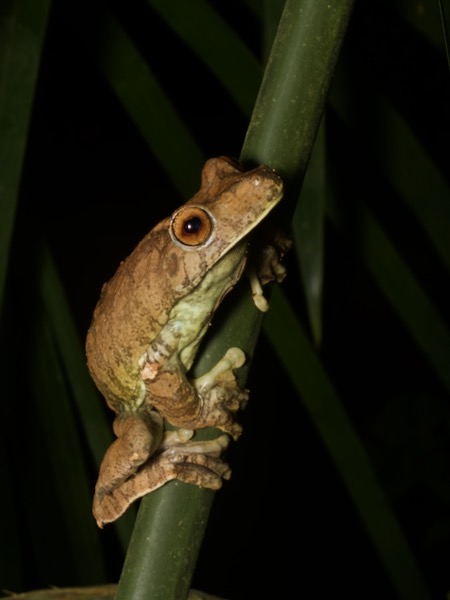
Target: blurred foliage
(107,111)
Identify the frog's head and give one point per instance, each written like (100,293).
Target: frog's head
(229,205)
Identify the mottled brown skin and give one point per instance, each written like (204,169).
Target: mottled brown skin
(146,330)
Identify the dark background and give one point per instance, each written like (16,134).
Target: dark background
(284,525)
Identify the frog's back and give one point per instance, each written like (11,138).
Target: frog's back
(132,309)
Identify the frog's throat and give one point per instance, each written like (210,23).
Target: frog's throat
(190,317)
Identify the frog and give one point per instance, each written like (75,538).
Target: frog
(146,330)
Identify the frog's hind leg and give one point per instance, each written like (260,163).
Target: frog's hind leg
(138,436)
(195,462)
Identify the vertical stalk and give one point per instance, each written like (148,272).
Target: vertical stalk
(171,521)
(292,96)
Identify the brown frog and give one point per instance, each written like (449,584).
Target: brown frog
(146,330)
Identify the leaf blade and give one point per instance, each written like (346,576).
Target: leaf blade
(22,33)
(346,450)
(217,45)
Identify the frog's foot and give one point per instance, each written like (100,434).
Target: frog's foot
(221,397)
(195,462)
(138,436)
(267,267)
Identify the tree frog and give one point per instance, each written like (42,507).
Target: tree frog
(146,330)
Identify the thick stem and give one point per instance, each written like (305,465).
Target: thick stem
(171,521)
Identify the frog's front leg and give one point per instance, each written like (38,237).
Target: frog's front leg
(220,395)
(209,401)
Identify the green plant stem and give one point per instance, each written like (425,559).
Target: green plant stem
(164,545)
(281,134)
(292,96)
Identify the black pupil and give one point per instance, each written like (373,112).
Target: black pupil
(192,225)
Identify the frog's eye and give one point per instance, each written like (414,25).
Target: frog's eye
(191,226)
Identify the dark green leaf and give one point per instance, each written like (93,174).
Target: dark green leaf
(96,426)
(308,232)
(22,30)
(346,450)
(215,43)
(144,100)
(405,293)
(57,424)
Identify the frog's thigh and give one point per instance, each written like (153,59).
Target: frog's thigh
(138,436)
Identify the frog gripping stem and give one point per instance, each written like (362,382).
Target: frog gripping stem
(148,325)
(197,463)
(212,400)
